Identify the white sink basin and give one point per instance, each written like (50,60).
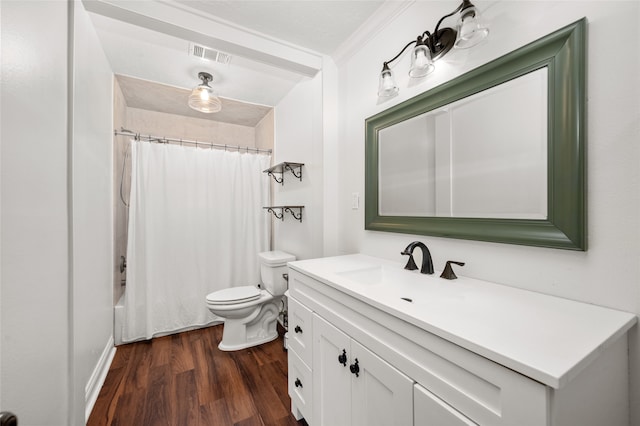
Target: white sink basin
(392,275)
(386,284)
(372,275)
(390,281)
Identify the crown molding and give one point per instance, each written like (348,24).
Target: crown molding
(377,22)
(182,23)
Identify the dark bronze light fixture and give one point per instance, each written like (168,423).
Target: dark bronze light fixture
(429,47)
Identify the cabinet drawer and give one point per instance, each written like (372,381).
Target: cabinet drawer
(300,384)
(431,410)
(300,331)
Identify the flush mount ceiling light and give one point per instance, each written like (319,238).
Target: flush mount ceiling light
(432,46)
(202,97)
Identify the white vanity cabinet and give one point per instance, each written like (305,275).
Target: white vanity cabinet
(352,386)
(454,353)
(431,410)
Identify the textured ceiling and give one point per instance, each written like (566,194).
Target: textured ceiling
(173,100)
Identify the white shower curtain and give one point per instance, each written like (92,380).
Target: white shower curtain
(196,225)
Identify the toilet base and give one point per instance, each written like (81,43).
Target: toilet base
(236,347)
(256,329)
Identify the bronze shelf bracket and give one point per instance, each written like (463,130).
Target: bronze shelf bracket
(279,211)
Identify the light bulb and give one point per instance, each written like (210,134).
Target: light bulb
(387,82)
(470,29)
(387,86)
(204,99)
(421,59)
(421,63)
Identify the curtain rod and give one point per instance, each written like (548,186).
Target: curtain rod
(162,139)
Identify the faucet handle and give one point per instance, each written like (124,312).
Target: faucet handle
(448,273)
(411,264)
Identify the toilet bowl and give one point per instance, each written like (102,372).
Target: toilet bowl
(250,313)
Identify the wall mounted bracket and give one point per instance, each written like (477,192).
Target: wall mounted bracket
(281,168)
(279,211)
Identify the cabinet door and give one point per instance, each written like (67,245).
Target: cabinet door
(380,394)
(431,410)
(331,379)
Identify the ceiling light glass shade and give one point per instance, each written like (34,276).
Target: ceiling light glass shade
(421,63)
(387,86)
(204,99)
(471,29)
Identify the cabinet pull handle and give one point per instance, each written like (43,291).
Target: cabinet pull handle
(297,329)
(298,383)
(355,368)
(342,358)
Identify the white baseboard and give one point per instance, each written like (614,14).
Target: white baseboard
(92,389)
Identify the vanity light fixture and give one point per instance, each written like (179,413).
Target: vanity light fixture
(428,47)
(202,97)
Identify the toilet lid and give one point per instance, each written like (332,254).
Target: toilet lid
(232,295)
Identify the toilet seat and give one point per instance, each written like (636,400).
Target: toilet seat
(234,295)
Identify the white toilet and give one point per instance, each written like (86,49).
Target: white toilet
(250,313)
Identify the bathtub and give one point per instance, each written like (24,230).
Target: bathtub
(118,323)
(118,320)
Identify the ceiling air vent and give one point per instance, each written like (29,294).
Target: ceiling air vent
(209,54)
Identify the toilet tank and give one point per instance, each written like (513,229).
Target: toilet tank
(272,265)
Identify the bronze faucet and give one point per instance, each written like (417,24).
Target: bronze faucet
(427,263)
(448,270)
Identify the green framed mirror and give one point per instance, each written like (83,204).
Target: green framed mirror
(449,163)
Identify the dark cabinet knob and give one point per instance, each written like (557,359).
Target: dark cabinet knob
(297,329)
(298,383)
(355,368)
(342,358)
(8,419)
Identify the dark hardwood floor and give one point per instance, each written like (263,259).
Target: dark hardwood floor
(184,379)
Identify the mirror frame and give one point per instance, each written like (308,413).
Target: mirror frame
(563,52)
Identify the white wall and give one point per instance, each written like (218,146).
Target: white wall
(330,154)
(34,231)
(92,180)
(56,211)
(298,138)
(609,272)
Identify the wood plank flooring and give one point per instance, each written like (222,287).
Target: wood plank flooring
(184,379)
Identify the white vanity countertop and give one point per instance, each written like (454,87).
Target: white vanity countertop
(547,338)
